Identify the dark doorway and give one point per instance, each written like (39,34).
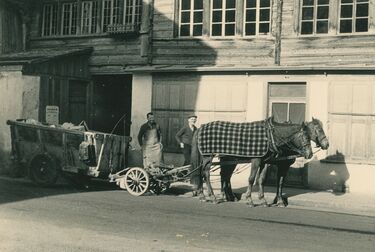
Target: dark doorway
(111,102)
(77,105)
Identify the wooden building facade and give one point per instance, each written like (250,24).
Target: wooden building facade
(245,60)
(238,60)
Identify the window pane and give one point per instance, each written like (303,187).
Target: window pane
(216,30)
(185,17)
(198,4)
(265,15)
(287,90)
(250,15)
(297,112)
(185,30)
(250,29)
(346,11)
(322,27)
(197,30)
(308,2)
(198,17)
(265,3)
(307,28)
(323,12)
(229,29)
(251,3)
(323,1)
(362,10)
(230,16)
(230,4)
(185,4)
(345,26)
(264,28)
(217,4)
(307,13)
(217,16)
(280,112)
(361,25)
(346,1)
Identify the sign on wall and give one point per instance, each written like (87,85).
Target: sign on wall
(52,114)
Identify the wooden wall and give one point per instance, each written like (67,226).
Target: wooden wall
(110,55)
(296,50)
(169,49)
(332,49)
(10,29)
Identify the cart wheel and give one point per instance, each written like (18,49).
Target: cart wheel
(43,170)
(137,181)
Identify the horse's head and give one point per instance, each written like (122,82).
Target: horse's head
(304,144)
(316,133)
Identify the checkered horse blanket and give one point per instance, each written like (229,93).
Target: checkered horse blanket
(235,139)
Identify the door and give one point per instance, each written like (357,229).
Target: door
(111,109)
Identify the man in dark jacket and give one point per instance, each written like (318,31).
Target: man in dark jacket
(184,138)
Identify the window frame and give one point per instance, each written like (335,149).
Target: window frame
(315,19)
(289,99)
(52,17)
(257,20)
(53,14)
(353,18)
(72,26)
(223,22)
(191,21)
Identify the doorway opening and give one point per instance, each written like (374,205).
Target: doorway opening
(111,104)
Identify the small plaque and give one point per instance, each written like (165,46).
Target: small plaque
(52,114)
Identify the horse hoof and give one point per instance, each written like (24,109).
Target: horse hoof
(250,204)
(264,204)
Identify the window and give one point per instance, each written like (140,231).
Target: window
(191,18)
(257,17)
(133,12)
(90,17)
(223,17)
(314,17)
(111,13)
(354,16)
(287,102)
(49,24)
(69,18)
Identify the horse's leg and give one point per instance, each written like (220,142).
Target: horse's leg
(210,191)
(229,193)
(205,162)
(282,171)
(226,174)
(261,180)
(254,169)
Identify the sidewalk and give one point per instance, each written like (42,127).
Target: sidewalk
(348,203)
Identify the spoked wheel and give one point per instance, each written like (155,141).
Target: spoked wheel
(137,181)
(43,170)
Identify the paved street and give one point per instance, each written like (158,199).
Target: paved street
(107,219)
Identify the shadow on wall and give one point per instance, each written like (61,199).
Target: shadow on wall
(336,173)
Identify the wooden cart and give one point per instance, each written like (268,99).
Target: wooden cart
(47,151)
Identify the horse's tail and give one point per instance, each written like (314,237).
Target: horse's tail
(196,160)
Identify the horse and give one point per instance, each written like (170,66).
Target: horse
(287,142)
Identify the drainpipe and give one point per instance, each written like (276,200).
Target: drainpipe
(278,32)
(145,30)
